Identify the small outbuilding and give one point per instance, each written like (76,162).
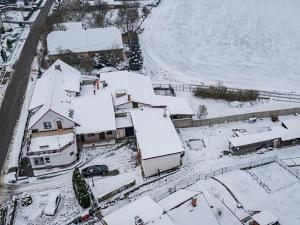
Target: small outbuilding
(159,146)
(265,218)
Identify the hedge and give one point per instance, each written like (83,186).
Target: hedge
(80,188)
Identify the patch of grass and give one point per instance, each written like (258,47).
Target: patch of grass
(221,92)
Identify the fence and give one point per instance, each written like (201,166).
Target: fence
(285,166)
(193,179)
(281,96)
(183,123)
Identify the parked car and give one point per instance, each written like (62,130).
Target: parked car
(53,203)
(96,170)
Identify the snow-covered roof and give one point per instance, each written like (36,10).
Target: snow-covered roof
(67,75)
(46,143)
(187,214)
(155,133)
(291,132)
(265,218)
(248,139)
(145,208)
(84,40)
(176,105)
(138,86)
(177,199)
(292,124)
(122,122)
(50,95)
(95,113)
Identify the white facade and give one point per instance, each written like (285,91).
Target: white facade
(52,118)
(162,163)
(46,159)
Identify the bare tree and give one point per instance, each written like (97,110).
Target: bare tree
(128,18)
(99,16)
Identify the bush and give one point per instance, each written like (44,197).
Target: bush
(81,189)
(221,92)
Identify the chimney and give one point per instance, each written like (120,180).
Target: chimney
(165,112)
(129,98)
(57,67)
(97,84)
(138,221)
(194,201)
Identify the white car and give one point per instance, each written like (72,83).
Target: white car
(53,203)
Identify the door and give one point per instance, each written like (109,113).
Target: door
(59,124)
(102,136)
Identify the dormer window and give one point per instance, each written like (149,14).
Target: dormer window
(120,93)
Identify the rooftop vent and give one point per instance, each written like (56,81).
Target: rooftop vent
(138,221)
(120,93)
(57,67)
(44,146)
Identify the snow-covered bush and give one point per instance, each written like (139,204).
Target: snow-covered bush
(81,189)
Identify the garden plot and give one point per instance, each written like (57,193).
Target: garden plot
(34,214)
(273,177)
(284,203)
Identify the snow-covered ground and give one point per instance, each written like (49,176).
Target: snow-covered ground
(242,43)
(274,176)
(217,108)
(283,203)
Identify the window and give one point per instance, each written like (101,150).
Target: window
(91,135)
(71,153)
(38,161)
(109,132)
(47,159)
(47,125)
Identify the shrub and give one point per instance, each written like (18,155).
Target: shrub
(221,92)
(81,189)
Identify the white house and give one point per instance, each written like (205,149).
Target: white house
(141,211)
(176,209)
(96,117)
(52,150)
(85,42)
(159,146)
(132,90)
(50,106)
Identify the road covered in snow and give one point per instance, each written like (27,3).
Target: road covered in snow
(241,43)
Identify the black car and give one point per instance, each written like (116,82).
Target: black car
(96,170)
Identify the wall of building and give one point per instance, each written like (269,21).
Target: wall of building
(121,133)
(163,163)
(62,158)
(88,138)
(52,117)
(254,147)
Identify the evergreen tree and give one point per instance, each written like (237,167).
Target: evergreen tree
(135,57)
(81,189)
(3,55)
(9,44)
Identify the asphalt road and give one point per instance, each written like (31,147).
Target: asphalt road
(13,100)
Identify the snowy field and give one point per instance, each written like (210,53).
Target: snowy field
(283,203)
(242,43)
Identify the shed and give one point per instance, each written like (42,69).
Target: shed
(265,218)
